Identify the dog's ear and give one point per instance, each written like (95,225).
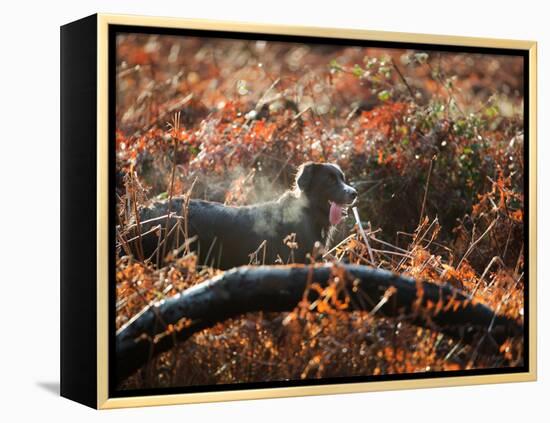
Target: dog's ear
(305,176)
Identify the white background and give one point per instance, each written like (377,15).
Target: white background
(29,208)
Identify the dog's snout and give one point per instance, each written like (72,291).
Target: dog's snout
(352,193)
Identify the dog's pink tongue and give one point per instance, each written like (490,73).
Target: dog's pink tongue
(335,214)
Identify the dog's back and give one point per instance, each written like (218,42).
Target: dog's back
(226,236)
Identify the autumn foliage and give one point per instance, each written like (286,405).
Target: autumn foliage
(432,141)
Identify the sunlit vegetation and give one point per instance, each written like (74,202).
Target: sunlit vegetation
(432,141)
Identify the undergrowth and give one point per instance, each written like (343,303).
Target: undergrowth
(432,141)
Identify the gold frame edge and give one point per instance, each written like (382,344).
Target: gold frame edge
(103,400)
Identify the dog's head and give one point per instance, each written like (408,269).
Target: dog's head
(324,185)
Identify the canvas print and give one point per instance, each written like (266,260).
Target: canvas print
(304,211)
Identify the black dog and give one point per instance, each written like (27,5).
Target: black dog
(225,236)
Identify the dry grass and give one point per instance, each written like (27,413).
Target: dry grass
(433,142)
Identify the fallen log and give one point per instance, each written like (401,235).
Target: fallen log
(280,288)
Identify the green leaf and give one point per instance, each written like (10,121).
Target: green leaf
(357,70)
(335,65)
(384,95)
(491,111)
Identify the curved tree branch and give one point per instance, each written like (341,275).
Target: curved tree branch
(280,288)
